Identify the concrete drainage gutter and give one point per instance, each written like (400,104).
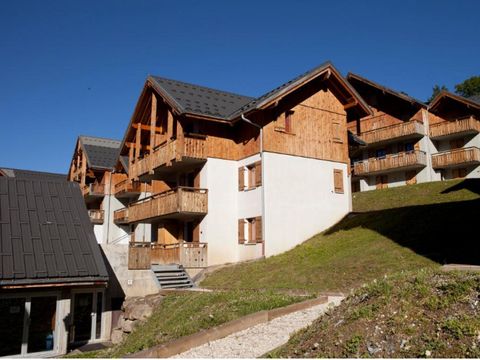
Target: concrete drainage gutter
(187,342)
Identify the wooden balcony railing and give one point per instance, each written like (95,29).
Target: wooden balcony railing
(96,216)
(188,254)
(176,201)
(120,216)
(390,162)
(139,256)
(393,132)
(446,128)
(127,186)
(444,159)
(175,150)
(94,189)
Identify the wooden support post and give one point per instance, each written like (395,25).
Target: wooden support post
(130,162)
(84,169)
(138,138)
(153,122)
(169,125)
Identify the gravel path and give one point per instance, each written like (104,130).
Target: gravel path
(259,339)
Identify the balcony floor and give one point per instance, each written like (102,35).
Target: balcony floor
(169,173)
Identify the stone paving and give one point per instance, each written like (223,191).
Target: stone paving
(259,339)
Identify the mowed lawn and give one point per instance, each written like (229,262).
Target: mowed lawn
(392,230)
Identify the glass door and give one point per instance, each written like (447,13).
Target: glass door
(82,317)
(12,312)
(41,323)
(87,316)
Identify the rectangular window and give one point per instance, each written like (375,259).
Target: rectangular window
(253,233)
(337,135)
(252,178)
(241,178)
(381,154)
(338,181)
(289,121)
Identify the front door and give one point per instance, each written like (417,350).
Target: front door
(87,316)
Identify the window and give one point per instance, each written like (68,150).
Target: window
(337,135)
(253,233)
(338,181)
(289,121)
(250,176)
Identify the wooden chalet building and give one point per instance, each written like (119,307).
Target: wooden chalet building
(455,136)
(216,177)
(395,136)
(407,141)
(233,177)
(52,274)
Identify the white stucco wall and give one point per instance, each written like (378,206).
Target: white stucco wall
(219,227)
(300,200)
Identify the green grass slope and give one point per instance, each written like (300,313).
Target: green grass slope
(410,315)
(395,229)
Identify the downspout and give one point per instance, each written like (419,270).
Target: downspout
(263,177)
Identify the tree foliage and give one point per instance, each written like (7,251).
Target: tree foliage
(469,87)
(436,90)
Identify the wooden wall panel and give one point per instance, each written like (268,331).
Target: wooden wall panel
(312,130)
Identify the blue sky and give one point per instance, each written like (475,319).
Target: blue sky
(77,67)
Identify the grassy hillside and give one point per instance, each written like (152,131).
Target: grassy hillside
(414,314)
(185,313)
(396,229)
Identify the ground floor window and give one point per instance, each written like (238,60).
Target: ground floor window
(28,324)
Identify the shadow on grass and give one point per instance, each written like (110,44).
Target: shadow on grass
(444,233)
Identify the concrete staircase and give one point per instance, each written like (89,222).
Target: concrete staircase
(172,276)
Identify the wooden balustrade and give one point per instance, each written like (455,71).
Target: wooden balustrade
(389,162)
(126,187)
(94,189)
(175,201)
(446,128)
(393,132)
(120,216)
(177,150)
(139,256)
(96,216)
(189,254)
(444,159)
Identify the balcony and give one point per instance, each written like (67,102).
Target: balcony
(390,163)
(453,158)
(93,191)
(463,126)
(179,203)
(171,156)
(96,216)
(407,130)
(120,216)
(127,189)
(189,254)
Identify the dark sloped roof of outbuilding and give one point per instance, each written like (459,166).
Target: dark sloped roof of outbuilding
(101,153)
(45,232)
(32,175)
(200,100)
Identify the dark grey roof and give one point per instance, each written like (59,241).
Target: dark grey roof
(399,94)
(101,153)
(45,232)
(201,100)
(195,99)
(32,175)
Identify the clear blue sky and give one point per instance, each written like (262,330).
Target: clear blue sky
(77,67)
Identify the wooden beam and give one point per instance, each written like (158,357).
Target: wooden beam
(350,104)
(153,122)
(138,145)
(146,127)
(134,145)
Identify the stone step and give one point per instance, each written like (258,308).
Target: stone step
(176,281)
(178,286)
